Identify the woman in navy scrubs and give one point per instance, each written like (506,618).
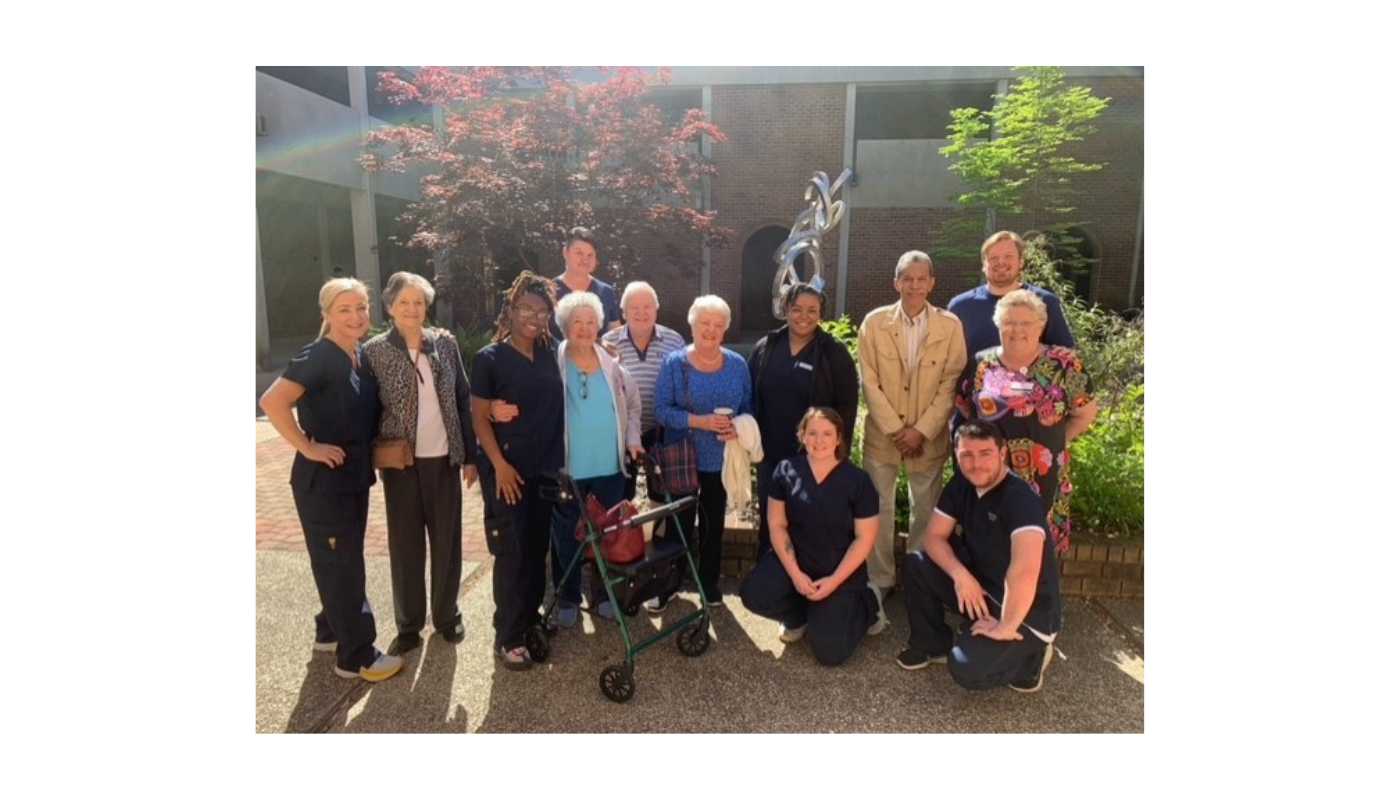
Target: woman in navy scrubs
(335,397)
(823,513)
(519,458)
(792,369)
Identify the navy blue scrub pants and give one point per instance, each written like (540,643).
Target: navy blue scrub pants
(426,495)
(834,625)
(975,662)
(334,526)
(518,536)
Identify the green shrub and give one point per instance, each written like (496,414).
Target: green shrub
(1108,461)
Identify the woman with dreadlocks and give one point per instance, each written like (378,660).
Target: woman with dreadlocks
(520,457)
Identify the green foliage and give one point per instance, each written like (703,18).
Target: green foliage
(1108,460)
(1012,161)
(1108,469)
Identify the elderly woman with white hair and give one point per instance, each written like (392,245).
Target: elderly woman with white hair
(642,345)
(698,393)
(602,432)
(424,441)
(1041,398)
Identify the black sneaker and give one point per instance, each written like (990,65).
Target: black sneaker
(405,642)
(912,659)
(454,633)
(1034,684)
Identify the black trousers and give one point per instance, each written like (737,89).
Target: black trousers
(334,526)
(975,662)
(518,536)
(710,537)
(835,625)
(426,495)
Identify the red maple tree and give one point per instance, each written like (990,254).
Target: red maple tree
(523,154)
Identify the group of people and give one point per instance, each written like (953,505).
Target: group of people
(578,379)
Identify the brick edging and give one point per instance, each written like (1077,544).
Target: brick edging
(1086,570)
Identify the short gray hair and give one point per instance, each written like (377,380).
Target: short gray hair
(1024,298)
(911,257)
(708,302)
(399,280)
(573,301)
(636,287)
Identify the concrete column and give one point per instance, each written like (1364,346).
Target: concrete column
(264,336)
(848,158)
(364,225)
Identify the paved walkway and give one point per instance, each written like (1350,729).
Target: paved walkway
(747,681)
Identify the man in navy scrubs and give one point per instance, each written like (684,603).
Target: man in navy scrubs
(1000,573)
(580,260)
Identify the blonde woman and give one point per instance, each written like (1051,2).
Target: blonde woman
(334,394)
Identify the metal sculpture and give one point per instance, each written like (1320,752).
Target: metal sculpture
(821,215)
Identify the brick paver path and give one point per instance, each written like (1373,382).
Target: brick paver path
(279,529)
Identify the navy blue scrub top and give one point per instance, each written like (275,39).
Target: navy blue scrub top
(533,442)
(339,407)
(822,517)
(786,386)
(988,523)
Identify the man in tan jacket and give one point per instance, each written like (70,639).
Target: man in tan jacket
(911,356)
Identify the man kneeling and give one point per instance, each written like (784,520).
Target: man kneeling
(1000,573)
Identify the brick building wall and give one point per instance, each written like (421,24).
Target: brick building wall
(777,137)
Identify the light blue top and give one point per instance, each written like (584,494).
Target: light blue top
(592,424)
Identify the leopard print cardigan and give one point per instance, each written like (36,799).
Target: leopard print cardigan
(397,377)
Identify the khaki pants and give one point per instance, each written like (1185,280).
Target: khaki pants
(924,488)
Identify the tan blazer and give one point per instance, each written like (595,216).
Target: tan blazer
(894,400)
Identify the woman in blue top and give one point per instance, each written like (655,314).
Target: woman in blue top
(693,385)
(334,393)
(823,515)
(602,431)
(519,458)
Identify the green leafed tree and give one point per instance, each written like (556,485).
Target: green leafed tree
(1017,165)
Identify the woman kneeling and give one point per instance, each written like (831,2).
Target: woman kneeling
(823,512)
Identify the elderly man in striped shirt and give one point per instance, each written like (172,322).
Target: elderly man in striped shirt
(643,345)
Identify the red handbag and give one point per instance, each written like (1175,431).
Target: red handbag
(622,546)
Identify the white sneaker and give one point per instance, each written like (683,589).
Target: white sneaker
(385,666)
(881,622)
(790,635)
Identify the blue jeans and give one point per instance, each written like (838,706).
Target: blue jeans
(608,489)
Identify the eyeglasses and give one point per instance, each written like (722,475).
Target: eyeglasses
(522,311)
(583,384)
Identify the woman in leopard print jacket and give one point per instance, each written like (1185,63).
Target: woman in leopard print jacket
(426,400)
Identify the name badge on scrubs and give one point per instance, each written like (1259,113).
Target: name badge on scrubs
(804,365)
(1020,386)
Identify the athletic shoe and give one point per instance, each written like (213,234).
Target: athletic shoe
(790,635)
(516,660)
(656,605)
(568,614)
(1034,684)
(406,642)
(454,633)
(605,610)
(912,659)
(881,622)
(385,666)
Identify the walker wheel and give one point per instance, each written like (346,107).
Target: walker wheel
(537,642)
(617,683)
(693,639)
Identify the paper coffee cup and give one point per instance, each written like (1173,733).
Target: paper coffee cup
(728,412)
